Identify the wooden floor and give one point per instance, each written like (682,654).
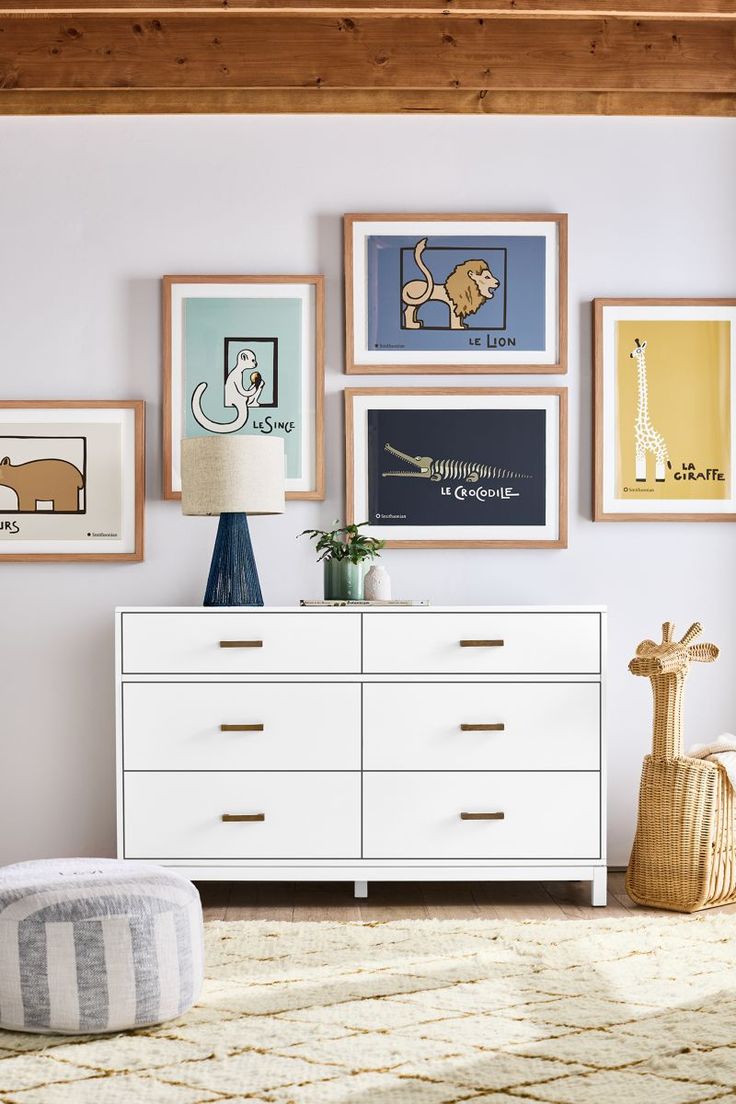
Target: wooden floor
(415,901)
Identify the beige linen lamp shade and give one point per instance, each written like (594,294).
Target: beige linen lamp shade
(224,475)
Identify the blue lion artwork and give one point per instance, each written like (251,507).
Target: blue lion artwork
(456,292)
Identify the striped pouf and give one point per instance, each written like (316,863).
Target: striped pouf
(91,945)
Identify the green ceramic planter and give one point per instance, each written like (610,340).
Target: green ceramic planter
(344,581)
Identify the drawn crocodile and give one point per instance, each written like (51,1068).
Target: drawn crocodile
(437,470)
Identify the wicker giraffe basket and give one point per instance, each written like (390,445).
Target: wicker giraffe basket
(683,855)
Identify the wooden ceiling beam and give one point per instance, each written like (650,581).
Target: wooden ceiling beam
(235,50)
(677,57)
(560,9)
(395,102)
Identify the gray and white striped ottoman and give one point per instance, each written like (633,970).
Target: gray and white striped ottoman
(90,945)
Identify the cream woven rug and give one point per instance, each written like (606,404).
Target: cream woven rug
(423,1012)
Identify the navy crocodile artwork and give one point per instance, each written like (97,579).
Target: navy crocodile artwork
(457,467)
(437,470)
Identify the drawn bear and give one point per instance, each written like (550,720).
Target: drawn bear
(55,481)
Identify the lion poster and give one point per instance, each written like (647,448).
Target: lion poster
(431,294)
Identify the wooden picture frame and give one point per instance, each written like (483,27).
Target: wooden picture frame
(664,409)
(276,316)
(506,311)
(63,499)
(473,478)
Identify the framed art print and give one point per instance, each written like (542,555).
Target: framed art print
(71,480)
(456,293)
(665,441)
(458,467)
(244,355)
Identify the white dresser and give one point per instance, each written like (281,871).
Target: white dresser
(399,743)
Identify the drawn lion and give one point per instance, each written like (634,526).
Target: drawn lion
(465,290)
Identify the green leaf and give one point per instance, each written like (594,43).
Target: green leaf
(342,543)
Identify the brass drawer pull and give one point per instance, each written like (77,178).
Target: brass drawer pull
(483,727)
(241,643)
(482,816)
(230,817)
(481,643)
(241,728)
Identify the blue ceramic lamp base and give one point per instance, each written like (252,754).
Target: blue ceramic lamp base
(233,578)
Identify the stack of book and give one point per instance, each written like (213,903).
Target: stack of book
(346,602)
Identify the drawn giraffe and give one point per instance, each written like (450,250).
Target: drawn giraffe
(646,436)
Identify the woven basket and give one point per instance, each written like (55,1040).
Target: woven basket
(683,855)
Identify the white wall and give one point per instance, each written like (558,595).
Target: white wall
(94,210)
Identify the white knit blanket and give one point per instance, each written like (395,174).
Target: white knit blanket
(723,751)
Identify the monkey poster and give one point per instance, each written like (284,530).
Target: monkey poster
(665,432)
(242,370)
(456,294)
(244,356)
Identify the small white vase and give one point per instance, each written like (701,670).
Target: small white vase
(377,586)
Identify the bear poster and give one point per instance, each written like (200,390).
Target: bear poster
(665,431)
(444,467)
(71,480)
(456,293)
(243,355)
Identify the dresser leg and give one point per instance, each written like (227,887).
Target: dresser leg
(599,887)
(361,889)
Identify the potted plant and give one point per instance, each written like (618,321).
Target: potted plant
(344,552)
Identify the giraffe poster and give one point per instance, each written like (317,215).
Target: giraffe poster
(444,467)
(665,375)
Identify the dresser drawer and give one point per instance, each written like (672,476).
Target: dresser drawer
(268,726)
(482,643)
(178,815)
(508,726)
(545,815)
(240,643)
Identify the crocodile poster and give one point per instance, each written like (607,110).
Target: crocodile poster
(456,467)
(243,356)
(453,466)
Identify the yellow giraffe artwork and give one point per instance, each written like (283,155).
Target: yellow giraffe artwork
(646,436)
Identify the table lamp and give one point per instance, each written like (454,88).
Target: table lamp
(232,477)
